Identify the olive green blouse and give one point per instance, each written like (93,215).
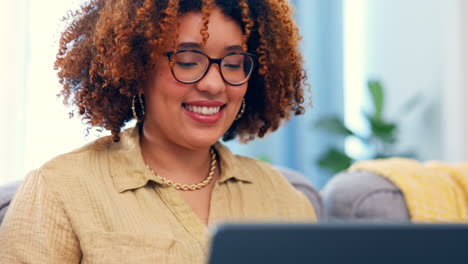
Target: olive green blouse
(100,204)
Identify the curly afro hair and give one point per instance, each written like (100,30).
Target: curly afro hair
(109,46)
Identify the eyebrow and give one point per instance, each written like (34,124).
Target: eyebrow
(189,45)
(234,48)
(195,45)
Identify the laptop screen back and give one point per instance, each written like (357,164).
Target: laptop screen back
(339,243)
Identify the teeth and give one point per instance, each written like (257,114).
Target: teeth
(204,110)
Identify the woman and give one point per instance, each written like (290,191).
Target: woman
(190,72)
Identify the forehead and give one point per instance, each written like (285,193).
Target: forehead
(223,30)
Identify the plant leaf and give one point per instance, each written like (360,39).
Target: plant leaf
(334,160)
(385,131)
(334,125)
(377,94)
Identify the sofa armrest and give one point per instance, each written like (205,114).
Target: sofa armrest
(363,195)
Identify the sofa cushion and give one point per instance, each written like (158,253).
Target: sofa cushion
(363,195)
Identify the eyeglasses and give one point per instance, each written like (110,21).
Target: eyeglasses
(190,66)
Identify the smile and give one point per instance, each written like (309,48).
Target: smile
(203,110)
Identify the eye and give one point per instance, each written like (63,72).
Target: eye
(233,62)
(189,60)
(186,64)
(232,66)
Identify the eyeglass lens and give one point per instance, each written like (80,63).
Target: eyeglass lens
(191,66)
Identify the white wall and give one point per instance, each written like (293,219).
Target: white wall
(455,129)
(414,46)
(462,86)
(49,131)
(35,124)
(13,54)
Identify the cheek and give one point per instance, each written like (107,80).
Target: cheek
(162,83)
(160,72)
(237,92)
(163,75)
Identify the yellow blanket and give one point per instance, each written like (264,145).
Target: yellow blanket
(434,191)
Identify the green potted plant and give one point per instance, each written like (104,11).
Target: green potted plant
(379,141)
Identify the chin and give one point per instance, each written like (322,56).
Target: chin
(203,141)
(202,137)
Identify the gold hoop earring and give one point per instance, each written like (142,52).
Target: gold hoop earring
(241,111)
(142,107)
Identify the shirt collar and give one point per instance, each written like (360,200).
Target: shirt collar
(129,171)
(126,163)
(231,167)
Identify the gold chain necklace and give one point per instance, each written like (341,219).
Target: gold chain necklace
(190,187)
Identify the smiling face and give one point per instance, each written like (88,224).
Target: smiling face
(194,115)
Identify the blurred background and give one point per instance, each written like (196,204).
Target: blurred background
(387,78)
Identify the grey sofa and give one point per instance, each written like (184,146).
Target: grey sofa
(298,180)
(363,196)
(6,194)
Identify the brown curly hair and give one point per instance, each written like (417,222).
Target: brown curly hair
(109,46)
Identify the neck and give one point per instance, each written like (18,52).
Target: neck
(174,162)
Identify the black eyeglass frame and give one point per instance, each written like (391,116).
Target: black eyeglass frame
(210,62)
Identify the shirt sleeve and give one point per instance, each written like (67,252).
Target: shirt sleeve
(309,209)
(36,228)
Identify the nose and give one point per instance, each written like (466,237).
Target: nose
(212,82)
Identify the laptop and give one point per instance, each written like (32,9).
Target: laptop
(339,243)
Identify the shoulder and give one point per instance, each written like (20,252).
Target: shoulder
(96,147)
(77,162)
(76,179)
(97,165)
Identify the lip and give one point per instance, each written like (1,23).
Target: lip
(205,119)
